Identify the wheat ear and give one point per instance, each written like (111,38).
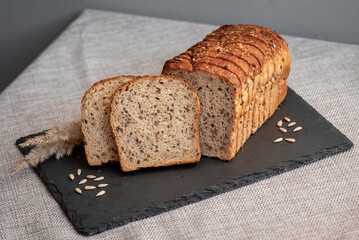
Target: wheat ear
(59,141)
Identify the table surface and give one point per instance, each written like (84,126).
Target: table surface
(318,201)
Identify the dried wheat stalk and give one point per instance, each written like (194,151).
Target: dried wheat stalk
(59,142)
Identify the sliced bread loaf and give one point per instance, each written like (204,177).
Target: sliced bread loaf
(240,74)
(100,146)
(155,121)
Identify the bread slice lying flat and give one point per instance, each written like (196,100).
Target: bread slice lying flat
(155,121)
(100,146)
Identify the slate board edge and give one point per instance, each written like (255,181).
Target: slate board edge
(196,196)
(193,197)
(215,190)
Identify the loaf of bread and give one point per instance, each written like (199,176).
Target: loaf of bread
(155,121)
(100,146)
(240,75)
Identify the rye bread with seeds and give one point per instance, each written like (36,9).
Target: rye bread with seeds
(99,144)
(240,74)
(155,121)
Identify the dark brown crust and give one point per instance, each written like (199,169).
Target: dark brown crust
(82,109)
(240,54)
(251,45)
(160,77)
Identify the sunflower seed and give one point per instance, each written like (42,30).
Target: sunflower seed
(297,129)
(90,187)
(78,190)
(78,172)
(291,124)
(283,130)
(99,179)
(83,181)
(90,176)
(102,185)
(292,140)
(71,176)
(287,119)
(279,123)
(100,193)
(178,59)
(278,140)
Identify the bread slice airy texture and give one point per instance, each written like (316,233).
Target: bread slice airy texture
(155,121)
(244,68)
(99,143)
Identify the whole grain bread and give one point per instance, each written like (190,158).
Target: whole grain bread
(155,121)
(100,146)
(240,74)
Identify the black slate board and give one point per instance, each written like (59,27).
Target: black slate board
(148,192)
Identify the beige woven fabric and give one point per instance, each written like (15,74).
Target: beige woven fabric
(318,201)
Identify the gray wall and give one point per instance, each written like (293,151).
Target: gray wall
(28,26)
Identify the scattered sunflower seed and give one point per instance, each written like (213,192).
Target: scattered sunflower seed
(278,140)
(287,119)
(283,130)
(83,181)
(90,176)
(78,172)
(102,185)
(78,190)
(100,193)
(297,129)
(99,179)
(291,124)
(279,123)
(90,187)
(291,140)
(71,176)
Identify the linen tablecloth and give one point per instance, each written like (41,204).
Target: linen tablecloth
(318,201)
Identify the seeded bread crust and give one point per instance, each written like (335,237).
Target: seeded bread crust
(99,147)
(254,62)
(119,129)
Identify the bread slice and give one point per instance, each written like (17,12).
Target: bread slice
(240,74)
(100,146)
(155,121)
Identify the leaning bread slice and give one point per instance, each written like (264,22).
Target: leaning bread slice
(100,146)
(155,121)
